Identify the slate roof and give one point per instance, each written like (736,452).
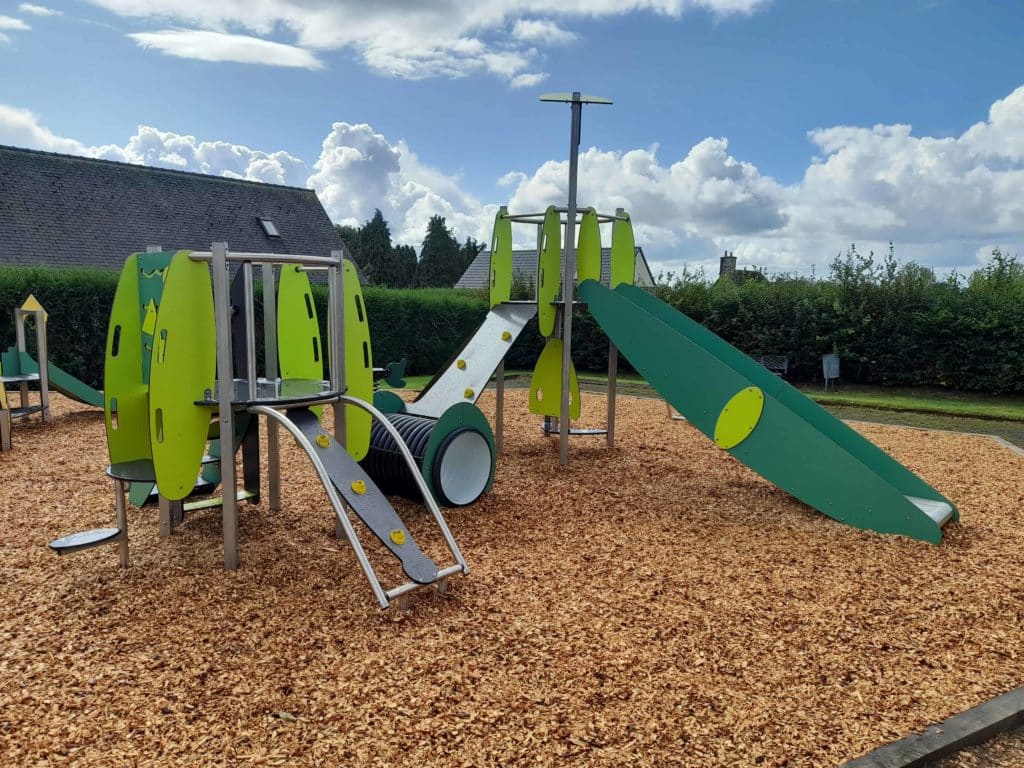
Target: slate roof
(524,263)
(62,210)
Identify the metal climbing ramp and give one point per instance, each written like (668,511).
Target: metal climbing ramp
(765,422)
(347,484)
(463,379)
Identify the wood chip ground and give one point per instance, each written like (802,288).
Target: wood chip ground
(654,605)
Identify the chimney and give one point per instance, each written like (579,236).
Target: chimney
(727,265)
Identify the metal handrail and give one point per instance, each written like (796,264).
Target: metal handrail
(428,497)
(269,258)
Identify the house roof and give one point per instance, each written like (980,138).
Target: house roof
(63,210)
(524,263)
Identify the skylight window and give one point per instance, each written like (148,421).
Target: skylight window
(269,229)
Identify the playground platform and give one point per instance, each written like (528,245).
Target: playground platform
(656,605)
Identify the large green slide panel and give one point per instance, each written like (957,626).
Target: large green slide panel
(795,444)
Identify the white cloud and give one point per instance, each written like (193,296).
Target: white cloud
(149,146)
(220,46)
(540,31)
(359,170)
(9,22)
(429,38)
(39,10)
(528,79)
(944,201)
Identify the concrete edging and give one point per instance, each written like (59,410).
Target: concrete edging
(973,726)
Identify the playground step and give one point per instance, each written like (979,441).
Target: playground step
(28,410)
(76,542)
(19,378)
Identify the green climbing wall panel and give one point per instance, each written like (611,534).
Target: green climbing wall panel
(501,258)
(548,261)
(183,369)
(546,383)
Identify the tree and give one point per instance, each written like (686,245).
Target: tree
(375,250)
(405,262)
(440,257)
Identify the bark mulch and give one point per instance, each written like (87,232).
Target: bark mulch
(654,605)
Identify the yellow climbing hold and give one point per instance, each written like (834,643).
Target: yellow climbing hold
(506,336)
(468,394)
(323,440)
(739,417)
(358,486)
(398,536)
(461,365)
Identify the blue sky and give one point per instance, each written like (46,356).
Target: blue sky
(780,129)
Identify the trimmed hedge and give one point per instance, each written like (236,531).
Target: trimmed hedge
(896,327)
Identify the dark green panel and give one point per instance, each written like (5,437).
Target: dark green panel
(852,441)
(785,448)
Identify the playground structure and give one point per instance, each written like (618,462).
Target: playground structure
(18,367)
(183,396)
(183,399)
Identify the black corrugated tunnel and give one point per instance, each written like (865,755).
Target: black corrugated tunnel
(455,455)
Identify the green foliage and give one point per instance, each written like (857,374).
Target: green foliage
(891,324)
(78,304)
(441,258)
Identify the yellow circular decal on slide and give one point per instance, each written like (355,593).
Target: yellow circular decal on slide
(739,417)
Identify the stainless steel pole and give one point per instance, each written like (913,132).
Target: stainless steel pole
(225,392)
(569,279)
(270,354)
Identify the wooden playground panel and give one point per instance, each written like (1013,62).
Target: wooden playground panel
(654,605)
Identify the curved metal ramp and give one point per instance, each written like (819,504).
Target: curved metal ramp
(347,484)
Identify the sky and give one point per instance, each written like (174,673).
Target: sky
(781,130)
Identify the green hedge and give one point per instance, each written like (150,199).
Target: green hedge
(890,325)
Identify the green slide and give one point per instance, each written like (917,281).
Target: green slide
(63,382)
(764,422)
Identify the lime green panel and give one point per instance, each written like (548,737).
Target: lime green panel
(812,456)
(3,392)
(501,258)
(299,350)
(623,268)
(739,417)
(125,393)
(358,365)
(588,250)
(546,383)
(548,261)
(182,371)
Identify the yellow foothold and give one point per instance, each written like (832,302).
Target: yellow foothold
(359,487)
(506,335)
(323,440)
(461,365)
(398,537)
(468,394)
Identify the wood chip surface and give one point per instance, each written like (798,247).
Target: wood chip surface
(654,605)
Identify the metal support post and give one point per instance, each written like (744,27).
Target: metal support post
(42,354)
(499,407)
(250,329)
(270,353)
(19,333)
(613,373)
(569,280)
(336,339)
(122,522)
(225,391)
